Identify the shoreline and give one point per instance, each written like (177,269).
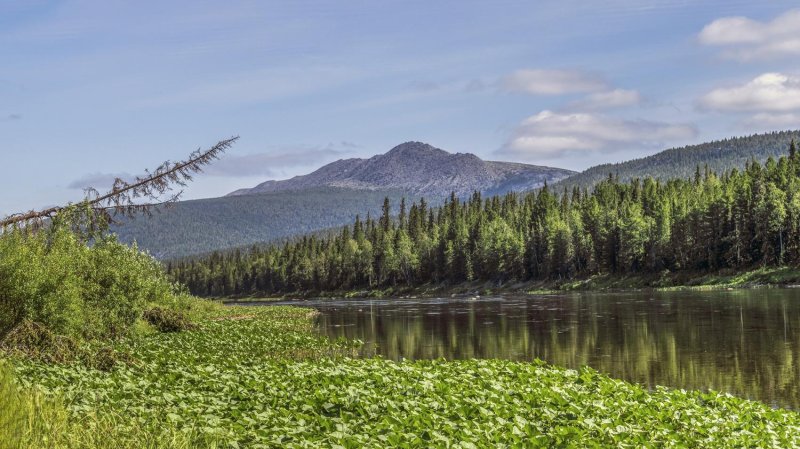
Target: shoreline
(758,278)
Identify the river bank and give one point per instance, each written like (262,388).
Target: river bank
(260,377)
(775,277)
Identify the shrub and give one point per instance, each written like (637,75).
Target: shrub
(119,283)
(35,341)
(166,320)
(39,280)
(57,279)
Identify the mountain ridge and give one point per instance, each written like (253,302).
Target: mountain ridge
(199,226)
(681,162)
(422,169)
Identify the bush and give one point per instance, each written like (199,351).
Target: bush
(38,280)
(35,341)
(118,284)
(166,320)
(55,278)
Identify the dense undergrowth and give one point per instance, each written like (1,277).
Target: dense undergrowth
(260,377)
(75,289)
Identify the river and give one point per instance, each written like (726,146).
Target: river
(745,342)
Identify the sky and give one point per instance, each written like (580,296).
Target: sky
(93,90)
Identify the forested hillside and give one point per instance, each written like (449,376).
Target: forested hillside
(201,226)
(737,219)
(719,156)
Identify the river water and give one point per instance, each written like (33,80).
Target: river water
(746,342)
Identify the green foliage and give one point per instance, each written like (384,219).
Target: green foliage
(40,280)
(718,156)
(734,221)
(118,283)
(261,378)
(30,419)
(54,278)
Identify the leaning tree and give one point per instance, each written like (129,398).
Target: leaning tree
(124,198)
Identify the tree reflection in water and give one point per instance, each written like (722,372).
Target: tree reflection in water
(744,342)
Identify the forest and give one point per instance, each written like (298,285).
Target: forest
(732,220)
(194,227)
(718,155)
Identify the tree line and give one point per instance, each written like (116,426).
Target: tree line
(736,220)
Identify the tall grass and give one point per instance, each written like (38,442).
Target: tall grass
(30,419)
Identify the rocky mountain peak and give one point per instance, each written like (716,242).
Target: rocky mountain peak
(415,149)
(420,168)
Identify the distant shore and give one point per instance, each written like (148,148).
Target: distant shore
(778,277)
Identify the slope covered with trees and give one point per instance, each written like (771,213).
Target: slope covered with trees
(201,226)
(719,156)
(331,197)
(737,219)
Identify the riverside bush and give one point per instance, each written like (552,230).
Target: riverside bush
(166,320)
(54,277)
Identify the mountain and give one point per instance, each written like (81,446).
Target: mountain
(420,169)
(329,197)
(719,156)
(200,226)
(334,194)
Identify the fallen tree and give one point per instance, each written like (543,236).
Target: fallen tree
(125,199)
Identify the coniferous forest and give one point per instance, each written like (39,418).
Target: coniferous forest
(735,220)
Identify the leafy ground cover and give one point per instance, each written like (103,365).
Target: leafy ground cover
(259,377)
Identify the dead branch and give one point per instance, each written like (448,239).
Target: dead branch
(124,199)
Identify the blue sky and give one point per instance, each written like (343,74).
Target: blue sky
(94,89)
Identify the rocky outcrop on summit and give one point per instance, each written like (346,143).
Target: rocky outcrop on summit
(422,169)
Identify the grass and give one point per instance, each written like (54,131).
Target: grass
(259,377)
(31,419)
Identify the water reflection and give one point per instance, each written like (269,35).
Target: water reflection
(743,342)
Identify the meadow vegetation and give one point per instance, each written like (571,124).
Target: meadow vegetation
(99,349)
(259,377)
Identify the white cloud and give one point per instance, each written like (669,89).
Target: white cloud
(553,82)
(770,92)
(745,39)
(617,98)
(773,121)
(270,164)
(549,134)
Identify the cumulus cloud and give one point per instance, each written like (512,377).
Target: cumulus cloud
(553,82)
(549,134)
(746,39)
(617,98)
(772,120)
(770,92)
